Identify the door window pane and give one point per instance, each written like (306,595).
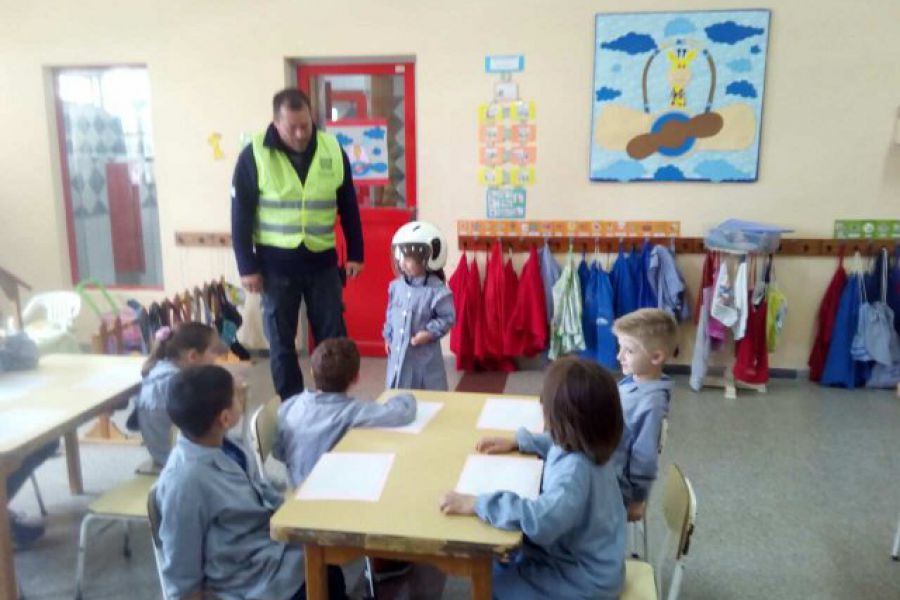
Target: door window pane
(379,98)
(108,174)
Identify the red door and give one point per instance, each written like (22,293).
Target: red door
(371,109)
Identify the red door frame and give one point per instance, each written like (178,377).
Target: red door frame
(407,69)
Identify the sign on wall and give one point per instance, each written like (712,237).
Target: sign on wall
(678,96)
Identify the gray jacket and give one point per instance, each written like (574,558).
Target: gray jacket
(311,423)
(153,420)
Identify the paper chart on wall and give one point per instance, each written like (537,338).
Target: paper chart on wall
(356,476)
(425,412)
(484,474)
(19,385)
(508,414)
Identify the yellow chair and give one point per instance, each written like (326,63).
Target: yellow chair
(642,581)
(126,503)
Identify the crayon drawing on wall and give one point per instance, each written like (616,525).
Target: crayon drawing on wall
(365,142)
(678,96)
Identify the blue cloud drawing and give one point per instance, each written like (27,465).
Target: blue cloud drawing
(632,43)
(616,68)
(720,170)
(376,151)
(378,167)
(621,170)
(754,49)
(740,65)
(741,88)
(606,93)
(668,173)
(376,133)
(679,26)
(344,140)
(731,33)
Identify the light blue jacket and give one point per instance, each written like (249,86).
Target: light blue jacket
(550,272)
(574,531)
(214,529)
(420,304)
(667,283)
(644,406)
(311,423)
(153,420)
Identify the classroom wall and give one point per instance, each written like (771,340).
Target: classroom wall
(830,105)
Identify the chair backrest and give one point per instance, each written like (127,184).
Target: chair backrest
(155,519)
(680,512)
(59,308)
(663,435)
(263,429)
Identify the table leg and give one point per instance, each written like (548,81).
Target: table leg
(316,573)
(8,589)
(482,569)
(73,462)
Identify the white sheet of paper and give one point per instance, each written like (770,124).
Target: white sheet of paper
(509,414)
(114,378)
(21,423)
(348,476)
(483,474)
(425,412)
(16,385)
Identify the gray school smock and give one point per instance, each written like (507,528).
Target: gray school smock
(574,544)
(214,529)
(153,420)
(414,305)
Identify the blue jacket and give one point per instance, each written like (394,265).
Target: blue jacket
(598,318)
(550,272)
(574,531)
(644,406)
(311,423)
(624,286)
(153,419)
(840,368)
(214,529)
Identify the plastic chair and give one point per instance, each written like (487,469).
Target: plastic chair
(660,446)
(263,429)
(127,504)
(895,550)
(642,581)
(48,319)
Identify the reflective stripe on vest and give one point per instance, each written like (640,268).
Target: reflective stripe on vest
(289,212)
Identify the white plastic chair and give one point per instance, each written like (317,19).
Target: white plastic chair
(263,429)
(642,580)
(895,550)
(48,319)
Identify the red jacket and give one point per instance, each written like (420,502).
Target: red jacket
(462,344)
(497,308)
(825,324)
(526,330)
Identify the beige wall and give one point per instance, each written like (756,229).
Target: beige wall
(831,99)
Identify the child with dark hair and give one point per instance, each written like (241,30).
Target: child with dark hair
(215,510)
(187,344)
(312,422)
(575,530)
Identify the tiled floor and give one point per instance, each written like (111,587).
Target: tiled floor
(797,490)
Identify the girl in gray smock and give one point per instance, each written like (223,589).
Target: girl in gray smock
(187,344)
(420,310)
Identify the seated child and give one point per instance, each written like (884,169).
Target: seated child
(647,338)
(215,510)
(184,345)
(575,530)
(312,422)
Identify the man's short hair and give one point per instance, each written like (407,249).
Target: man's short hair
(197,396)
(292,98)
(335,364)
(655,329)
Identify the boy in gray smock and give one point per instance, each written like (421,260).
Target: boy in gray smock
(215,510)
(312,422)
(647,338)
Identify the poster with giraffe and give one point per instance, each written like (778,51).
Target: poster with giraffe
(678,96)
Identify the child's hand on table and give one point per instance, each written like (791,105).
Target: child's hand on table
(423,337)
(453,503)
(496,445)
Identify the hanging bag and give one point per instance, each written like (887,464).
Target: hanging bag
(858,349)
(877,323)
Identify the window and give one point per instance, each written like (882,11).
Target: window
(106,148)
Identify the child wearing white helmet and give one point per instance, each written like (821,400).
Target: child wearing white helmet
(420,309)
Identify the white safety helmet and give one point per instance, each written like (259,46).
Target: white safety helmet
(422,240)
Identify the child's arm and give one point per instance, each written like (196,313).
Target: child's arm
(533,443)
(182,531)
(644,453)
(398,410)
(554,513)
(387,331)
(443,314)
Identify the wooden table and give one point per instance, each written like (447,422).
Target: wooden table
(406,524)
(50,402)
